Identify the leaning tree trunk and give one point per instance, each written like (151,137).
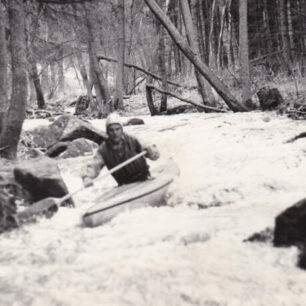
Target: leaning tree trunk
(16,112)
(215,82)
(3,67)
(244,50)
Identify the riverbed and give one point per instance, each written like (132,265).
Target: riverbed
(237,173)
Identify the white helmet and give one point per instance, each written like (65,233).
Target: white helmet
(113,118)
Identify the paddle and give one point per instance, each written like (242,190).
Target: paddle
(51,205)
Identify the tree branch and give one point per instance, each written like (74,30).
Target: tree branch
(102,57)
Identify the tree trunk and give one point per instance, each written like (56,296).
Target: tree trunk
(61,75)
(267,30)
(33,71)
(99,82)
(162,58)
(284,35)
(244,50)
(212,51)
(39,93)
(16,112)
(150,102)
(85,79)
(4,102)
(81,66)
(192,39)
(222,9)
(120,77)
(198,12)
(215,82)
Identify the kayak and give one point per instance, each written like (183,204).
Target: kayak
(130,196)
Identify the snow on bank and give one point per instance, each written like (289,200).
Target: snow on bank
(237,165)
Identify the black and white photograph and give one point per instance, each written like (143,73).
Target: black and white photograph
(152,152)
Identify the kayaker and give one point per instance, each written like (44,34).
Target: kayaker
(118,148)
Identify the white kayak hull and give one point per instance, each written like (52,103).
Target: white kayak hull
(131,196)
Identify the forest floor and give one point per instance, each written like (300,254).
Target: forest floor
(237,174)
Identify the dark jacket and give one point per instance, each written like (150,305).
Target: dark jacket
(107,155)
(135,171)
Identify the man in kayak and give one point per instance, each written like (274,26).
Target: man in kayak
(118,148)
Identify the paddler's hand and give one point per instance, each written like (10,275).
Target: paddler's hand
(152,152)
(87,181)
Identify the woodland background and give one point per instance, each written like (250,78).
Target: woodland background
(227,49)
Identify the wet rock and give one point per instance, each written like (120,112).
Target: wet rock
(78,147)
(57,149)
(8,210)
(9,185)
(41,178)
(290,226)
(65,128)
(269,98)
(263,236)
(302,257)
(81,105)
(135,121)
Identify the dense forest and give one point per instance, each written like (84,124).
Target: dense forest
(231,48)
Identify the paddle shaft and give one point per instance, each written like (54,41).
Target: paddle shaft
(111,171)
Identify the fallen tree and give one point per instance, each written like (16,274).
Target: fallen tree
(204,107)
(203,69)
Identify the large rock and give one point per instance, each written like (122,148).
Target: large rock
(269,98)
(134,121)
(8,209)
(8,184)
(290,226)
(65,128)
(41,178)
(75,148)
(81,105)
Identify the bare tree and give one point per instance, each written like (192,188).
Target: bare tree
(16,113)
(98,79)
(192,39)
(3,66)
(120,76)
(244,50)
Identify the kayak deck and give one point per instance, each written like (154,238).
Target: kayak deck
(150,192)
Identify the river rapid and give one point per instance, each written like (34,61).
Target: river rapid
(237,174)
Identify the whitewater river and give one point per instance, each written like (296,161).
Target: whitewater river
(237,174)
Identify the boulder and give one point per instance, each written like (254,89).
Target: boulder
(9,185)
(81,105)
(269,98)
(290,226)
(8,210)
(77,147)
(41,178)
(302,257)
(135,121)
(262,236)
(65,128)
